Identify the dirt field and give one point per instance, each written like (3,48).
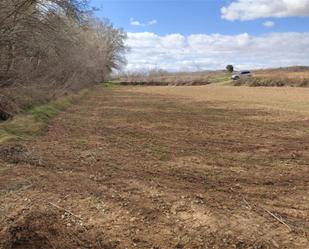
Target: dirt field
(163,167)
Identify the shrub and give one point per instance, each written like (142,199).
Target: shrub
(230,68)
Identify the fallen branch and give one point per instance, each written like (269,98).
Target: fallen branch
(247,203)
(272,214)
(63,209)
(278,219)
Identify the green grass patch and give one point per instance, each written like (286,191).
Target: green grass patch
(110,84)
(220,79)
(36,120)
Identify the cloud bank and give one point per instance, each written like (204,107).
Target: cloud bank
(176,52)
(254,9)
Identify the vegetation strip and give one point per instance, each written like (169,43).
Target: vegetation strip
(36,120)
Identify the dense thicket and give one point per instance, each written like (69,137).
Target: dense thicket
(50,47)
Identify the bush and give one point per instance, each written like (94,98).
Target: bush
(230,68)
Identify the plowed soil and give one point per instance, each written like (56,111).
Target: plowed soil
(128,169)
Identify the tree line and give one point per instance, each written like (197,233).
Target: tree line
(50,47)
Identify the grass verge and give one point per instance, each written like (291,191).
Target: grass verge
(36,120)
(110,84)
(220,79)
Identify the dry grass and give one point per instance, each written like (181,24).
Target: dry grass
(292,77)
(289,75)
(174,79)
(288,99)
(289,72)
(272,81)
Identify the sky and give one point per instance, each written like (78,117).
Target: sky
(191,35)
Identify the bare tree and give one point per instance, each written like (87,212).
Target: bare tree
(54,46)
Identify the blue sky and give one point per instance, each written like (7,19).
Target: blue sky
(188,17)
(250,21)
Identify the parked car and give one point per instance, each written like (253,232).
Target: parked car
(241,75)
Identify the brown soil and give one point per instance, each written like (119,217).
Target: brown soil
(125,169)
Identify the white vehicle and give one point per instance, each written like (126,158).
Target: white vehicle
(241,75)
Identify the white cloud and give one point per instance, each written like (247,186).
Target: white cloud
(134,22)
(200,51)
(254,9)
(268,24)
(137,23)
(152,22)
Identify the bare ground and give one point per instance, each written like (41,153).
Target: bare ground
(127,169)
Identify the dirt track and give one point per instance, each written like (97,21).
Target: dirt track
(126,169)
